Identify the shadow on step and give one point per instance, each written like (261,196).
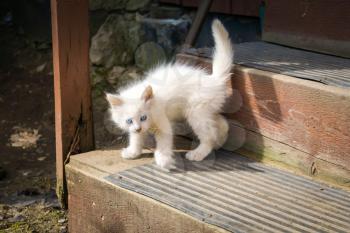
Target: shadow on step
(252,108)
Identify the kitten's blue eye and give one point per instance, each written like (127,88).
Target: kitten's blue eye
(143,118)
(129,121)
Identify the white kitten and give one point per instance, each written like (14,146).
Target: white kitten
(173,92)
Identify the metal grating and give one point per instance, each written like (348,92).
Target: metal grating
(318,67)
(241,195)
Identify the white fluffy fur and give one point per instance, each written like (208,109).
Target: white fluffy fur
(179,92)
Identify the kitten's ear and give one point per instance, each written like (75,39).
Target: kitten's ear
(147,94)
(114,100)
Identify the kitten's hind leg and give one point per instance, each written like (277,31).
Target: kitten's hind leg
(222,130)
(205,127)
(134,149)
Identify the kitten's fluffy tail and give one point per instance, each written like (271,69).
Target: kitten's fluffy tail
(223,53)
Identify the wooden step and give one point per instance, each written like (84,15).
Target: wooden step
(97,205)
(293,124)
(225,193)
(290,122)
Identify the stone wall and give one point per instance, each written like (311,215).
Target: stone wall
(136,34)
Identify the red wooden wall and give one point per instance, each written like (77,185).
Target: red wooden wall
(235,7)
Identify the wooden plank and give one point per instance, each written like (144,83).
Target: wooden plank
(321,26)
(73,116)
(197,23)
(310,117)
(217,6)
(235,7)
(246,7)
(221,6)
(96,205)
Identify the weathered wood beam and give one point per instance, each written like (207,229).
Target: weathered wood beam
(73,115)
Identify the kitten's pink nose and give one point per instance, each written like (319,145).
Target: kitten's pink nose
(138,130)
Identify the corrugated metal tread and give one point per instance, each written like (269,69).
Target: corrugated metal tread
(240,195)
(298,63)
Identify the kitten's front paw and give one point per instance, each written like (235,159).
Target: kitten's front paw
(164,160)
(196,155)
(128,153)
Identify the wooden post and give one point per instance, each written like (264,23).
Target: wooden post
(197,23)
(73,114)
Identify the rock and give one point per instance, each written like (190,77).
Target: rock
(136,35)
(24,137)
(97,18)
(105,40)
(51,200)
(133,74)
(114,74)
(61,220)
(41,68)
(53,204)
(149,54)
(116,41)
(107,4)
(41,158)
(97,75)
(63,229)
(165,12)
(134,5)
(26,173)
(17,218)
(170,33)
(22,204)
(100,89)
(130,16)
(100,104)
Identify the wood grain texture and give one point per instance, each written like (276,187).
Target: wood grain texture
(321,26)
(310,117)
(286,157)
(73,116)
(96,205)
(245,8)
(221,6)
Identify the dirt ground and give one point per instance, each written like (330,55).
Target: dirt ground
(28,201)
(27,161)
